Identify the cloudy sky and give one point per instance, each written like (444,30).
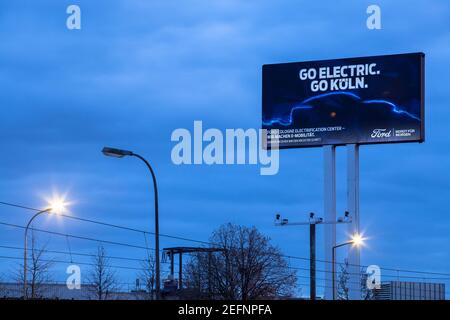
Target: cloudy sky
(137,70)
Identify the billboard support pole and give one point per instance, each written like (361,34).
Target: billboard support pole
(330,214)
(354,262)
(312,261)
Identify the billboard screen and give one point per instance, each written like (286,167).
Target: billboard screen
(364,100)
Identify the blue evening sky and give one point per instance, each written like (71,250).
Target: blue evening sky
(137,70)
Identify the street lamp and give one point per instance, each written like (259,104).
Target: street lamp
(56,206)
(118,153)
(356,241)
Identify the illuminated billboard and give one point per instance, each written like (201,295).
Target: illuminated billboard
(364,100)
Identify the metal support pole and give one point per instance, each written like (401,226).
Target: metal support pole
(333,261)
(155,190)
(180,273)
(330,214)
(171,264)
(312,260)
(209,274)
(354,228)
(25,246)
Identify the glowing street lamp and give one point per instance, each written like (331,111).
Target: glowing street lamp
(119,153)
(56,206)
(357,241)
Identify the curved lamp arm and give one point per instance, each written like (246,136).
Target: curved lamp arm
(25,250)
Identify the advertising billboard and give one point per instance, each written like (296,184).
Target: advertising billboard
(378,99)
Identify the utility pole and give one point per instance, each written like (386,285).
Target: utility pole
(312,260)
(312,242)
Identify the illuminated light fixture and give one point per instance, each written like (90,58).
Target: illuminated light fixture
(57,206)
(357,240)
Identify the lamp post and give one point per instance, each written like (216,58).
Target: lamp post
(56,206)
(118,153)
(356,241)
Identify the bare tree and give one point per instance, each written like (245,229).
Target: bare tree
(3,290)
(102,278)
(342,286)
(248,267)
(366,293)
(38,270)
(147,275)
